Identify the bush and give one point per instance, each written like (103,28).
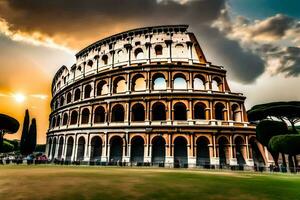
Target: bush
(7,147)
(287,144)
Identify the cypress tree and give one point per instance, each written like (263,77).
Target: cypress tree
(24,136)
(32,137)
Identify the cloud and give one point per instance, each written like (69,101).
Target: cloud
(275,39)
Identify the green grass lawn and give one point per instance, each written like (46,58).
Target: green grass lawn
(61,182)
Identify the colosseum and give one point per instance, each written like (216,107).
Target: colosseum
(149,97)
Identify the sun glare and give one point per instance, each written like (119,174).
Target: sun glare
(19,97)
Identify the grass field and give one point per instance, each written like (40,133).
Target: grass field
(59,182)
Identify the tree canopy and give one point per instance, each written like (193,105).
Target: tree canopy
(8,124)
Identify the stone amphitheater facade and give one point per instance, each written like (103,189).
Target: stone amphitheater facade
(148,96)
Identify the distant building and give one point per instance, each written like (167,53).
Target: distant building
(149,96)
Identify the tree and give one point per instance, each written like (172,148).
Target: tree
(24,133)
(7,125)
(32,136)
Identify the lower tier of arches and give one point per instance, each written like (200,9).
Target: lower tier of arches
(158,149)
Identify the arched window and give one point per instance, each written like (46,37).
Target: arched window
(117,113)
(137,150)
(138,112)
(58,121)
(199,83)
(120,54)
(56,104)
(62,101)
(87,91)
(116,150)
(70,144)
(69,97)
(199,111)
(219,111)
(178,51)
(96,148)
(158,150)
(80,148)
(90,63)
(105,59)
(235,113)
(65,119)
(138,83)
(53,122)
(159,82)
(85,116)
(158,111)
(119,85)
(77,94)
(74,117)
(180,152)
(102,88)
(158,50)
(139,54)
(216,84)
(203,158)
(99,115)
(223,150)
(180,82)
(60,147)
(180,111)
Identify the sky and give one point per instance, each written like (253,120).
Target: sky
(257,41)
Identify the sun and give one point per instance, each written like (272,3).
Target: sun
(20,98)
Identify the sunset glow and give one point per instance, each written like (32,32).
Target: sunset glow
(19,98)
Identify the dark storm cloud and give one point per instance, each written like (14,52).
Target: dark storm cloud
(82,22)
(290,60)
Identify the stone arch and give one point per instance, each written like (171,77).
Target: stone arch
(102,88)
(62,101)
(179,82)
(70,146)
(85,116)
(159,82)
(180,152)
(57,121)
(158,111)
(137,149)
(219,111)
(77,94)
(53,122)
(60,147)
(200,111)
(240,150)
(158,50)
(69,97)
(96,148)
(223,150)
(53,148)
(80,148)
(139,54)
(118,113)
(99,116)
(180,111)
(203,157)
(199,82)
(217,84)
(119,85)
(116,149)
(179,51)
(74,117)
(104,59)
(65,119)
(90,63)
(138,112)
(236,113)
(87,91)
(138,83)
(158,150)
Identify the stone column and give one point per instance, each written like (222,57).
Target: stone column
(191,155)
(169,45)
(190,51)
(128,49)
(128,84)
(148,46)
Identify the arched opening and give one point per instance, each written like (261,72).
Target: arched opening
(53,148)
(255,153)
(74,117)
(104,59)
(199,83)
(216,84)
(239,151)
(87,91)
(96,148)
(199,111)
(139,54)
(53,122)
(65,119)
(158,112)
(116,150)
(219,111)
(80,148)
(77,94)
(223,151)
(180,111)
(120,54)
(62,101)
(56,104)
(180,152)
(58,121)
(85,116)
(69,97)
(60,147)
(158,151)
(70,144)
(99,115)
(49,147)
(158,50)
(235,113)
(159,82)
(180,82)
(118,113)
(138,83)
(179,51)
(90,63)
(137,150)
(102,88)
(203,158)
(119,85)
(138,112)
